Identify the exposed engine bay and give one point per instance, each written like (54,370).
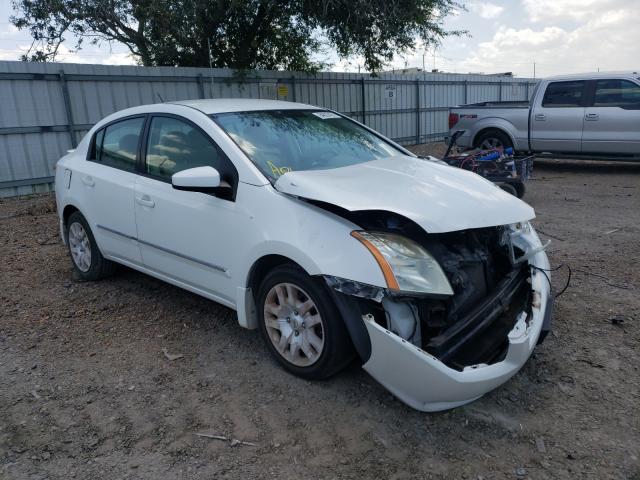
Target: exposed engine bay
(491,285)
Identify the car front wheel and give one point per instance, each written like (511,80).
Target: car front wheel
(301,325)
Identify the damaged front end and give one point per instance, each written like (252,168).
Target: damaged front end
(438,351)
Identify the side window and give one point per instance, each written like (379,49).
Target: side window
(96,145)
(117,144)
(175,145)
(617,93)
(563,94)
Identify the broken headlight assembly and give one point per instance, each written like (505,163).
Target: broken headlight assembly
(406,266)
(515,235)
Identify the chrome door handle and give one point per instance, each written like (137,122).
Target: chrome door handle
(88,181)
(145,201)
(540,116)
(592,116)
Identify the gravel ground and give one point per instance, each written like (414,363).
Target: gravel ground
(86,390)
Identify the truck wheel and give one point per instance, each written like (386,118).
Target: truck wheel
(507,187)
(493,139)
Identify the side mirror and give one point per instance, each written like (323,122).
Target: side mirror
(198,179)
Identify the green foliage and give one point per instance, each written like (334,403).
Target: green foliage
(239,34)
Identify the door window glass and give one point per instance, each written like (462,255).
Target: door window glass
(96,145)
(563,94)
(117,144)
(175,145)
(617,93)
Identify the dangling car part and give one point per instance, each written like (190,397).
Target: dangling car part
(437,351)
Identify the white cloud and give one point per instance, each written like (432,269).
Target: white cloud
(66,56)
(558,10)
(607,40)
(9,31)
(486,10)
(13,53)
(123,58)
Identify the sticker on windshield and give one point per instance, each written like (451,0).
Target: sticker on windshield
(326,115)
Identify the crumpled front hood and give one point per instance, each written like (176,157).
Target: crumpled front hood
(437,197)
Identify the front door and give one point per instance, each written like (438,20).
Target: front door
(186,236)
(612,121)
(556,124)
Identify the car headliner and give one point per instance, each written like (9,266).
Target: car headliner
(225,105)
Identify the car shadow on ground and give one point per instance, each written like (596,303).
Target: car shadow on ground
(587,166)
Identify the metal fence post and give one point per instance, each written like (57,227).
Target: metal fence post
(466,92)
(500,91)
(67,107)
(364,104)
(417,111)
(527,91)
(293,87)
(200,80)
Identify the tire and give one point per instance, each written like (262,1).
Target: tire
(80,241)
(311,351)
(520,189)
(493,139)
(507,187)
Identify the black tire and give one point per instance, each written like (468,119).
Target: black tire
(520,189)
(99,266)
(337,350)
(507,187)
(493,139)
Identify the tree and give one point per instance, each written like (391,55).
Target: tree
(240,34)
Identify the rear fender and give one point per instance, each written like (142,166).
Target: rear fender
(495,123)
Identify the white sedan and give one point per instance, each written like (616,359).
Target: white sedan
(331,239)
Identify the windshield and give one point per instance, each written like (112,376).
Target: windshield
(280,141)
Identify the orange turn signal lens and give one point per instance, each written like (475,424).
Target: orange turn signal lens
(389,277)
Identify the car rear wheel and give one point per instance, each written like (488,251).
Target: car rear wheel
(88,262)
(301,325)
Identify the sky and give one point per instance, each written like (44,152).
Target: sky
(559,36)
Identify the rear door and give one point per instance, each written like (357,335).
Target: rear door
(107,182)
(557,122)
(612,121)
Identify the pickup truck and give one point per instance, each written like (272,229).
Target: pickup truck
(576,116)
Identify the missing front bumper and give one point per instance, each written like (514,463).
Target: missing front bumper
(425,383)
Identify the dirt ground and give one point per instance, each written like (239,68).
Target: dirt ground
(86,390)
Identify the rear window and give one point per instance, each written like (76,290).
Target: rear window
(564,94)
(117,144)
(617,93)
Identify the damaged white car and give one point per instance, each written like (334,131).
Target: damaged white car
(331,239)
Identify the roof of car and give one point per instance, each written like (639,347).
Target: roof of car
(223,105)
(597,75)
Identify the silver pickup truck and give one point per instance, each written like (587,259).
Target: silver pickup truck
(580,116)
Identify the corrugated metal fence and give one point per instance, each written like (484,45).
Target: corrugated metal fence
(46,108)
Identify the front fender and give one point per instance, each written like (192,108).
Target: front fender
(318,241)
